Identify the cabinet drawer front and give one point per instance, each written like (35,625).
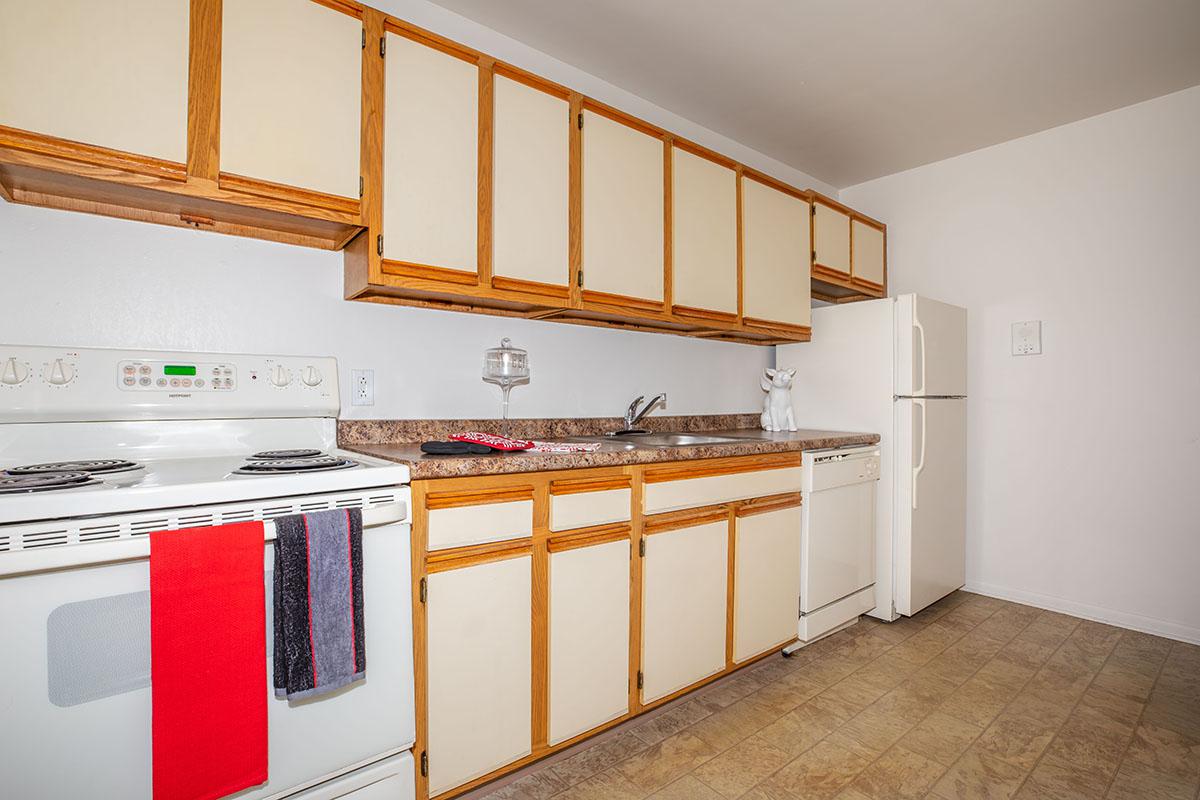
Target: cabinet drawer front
(584,509)
(683,607)
(291,97)
(479,667)
(714,489)
(108,74)
(492,522)
(766,581)
(589,638)
(430,157)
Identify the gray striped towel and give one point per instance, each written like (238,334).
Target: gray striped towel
(319,639)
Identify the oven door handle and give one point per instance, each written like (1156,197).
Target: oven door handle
(24,562)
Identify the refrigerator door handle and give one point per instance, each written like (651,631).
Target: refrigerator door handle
(920,329)
(920,466)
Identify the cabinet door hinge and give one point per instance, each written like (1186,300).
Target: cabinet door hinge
(424,764)
(579,278)
(640,679)
(812,209)
(424,590)
(382,46)
(364,39)
(379,245)
(641,548)
(814,256)
(361,184)
(579,120)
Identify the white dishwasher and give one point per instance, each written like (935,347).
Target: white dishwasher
(837,539)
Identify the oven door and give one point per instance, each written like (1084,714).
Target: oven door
(75,681)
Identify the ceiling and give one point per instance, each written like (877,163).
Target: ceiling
(849,90)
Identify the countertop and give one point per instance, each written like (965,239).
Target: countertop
(613,452)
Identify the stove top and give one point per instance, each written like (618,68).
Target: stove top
(310,461)
(13,483)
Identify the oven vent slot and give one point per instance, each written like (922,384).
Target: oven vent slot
(242,515)
(381,499)
(99,533)
(351,502)
(141,527)
(44,539)
(3,543)
(196,521)
(313,506)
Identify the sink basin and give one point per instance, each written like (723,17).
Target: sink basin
(682,440)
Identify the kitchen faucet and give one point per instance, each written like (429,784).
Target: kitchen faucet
(633,416)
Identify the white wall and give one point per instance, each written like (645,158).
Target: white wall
(81,280)
(1084,485)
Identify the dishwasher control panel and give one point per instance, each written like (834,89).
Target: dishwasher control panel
(825,469)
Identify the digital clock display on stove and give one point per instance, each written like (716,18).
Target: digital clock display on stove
(176,369)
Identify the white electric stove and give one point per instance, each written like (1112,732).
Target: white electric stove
(100,447)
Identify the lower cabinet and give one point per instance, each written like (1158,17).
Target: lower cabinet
(683,606)
(588,637)
(766,593)
(478,669)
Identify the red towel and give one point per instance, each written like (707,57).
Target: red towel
(208,661)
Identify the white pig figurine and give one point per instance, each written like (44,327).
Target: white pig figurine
(777,412)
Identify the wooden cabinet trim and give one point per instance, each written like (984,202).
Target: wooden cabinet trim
(93,155)
(778,185)
(458,557)
(719,466)
(292,194)
(477,497)
(427,272)
(688,518)
(204,90)
(600,483)
(765,505)
(430,39)
(586,537)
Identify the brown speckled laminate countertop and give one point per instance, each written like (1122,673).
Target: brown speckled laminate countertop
(613,452)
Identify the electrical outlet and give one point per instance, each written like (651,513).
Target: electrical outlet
(1027,338)
(362,387)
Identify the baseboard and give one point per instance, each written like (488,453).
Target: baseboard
(1137,622)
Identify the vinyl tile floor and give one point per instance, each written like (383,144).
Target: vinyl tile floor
(972,698)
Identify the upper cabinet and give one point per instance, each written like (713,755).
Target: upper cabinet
(430,158)
(848,253)
(291,94)
(115,78)
(623,201)
(704,229)
(531,187)
(775,256)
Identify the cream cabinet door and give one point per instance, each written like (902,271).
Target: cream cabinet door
(868,252)
(589,637)
(684,578)
(112,75)
(776,280)
(622,209)
(291,94)
(831,238)
(703,233)
(430,157)
(766,581)
(531,163)
(479,670)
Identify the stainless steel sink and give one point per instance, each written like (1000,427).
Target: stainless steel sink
(682,440)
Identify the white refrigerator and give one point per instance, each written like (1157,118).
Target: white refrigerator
(898,367)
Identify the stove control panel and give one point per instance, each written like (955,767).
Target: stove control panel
(159,376)
(45,384)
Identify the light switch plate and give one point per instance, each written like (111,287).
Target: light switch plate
(362,387)
(1027,338)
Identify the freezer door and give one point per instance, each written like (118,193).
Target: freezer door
(931,501)
(931,348)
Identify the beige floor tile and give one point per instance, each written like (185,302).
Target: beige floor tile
(800,729)
(596,758)
(1091,741)
(941,737)
(871,732)
(670,722)
(534,786)
(1115,707)
(978,701)
(686,788)
(740,768)
(820,773)
(854,692)
(607,785)
(1016,740)
(1166,750)
(898,774)
(725,728)
(784,695)
(1055,778)
(978,776)
(665,762)
(1137,781)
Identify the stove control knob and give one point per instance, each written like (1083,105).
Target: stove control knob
(280,376)
(60,373)
(311,376)
(14,373)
